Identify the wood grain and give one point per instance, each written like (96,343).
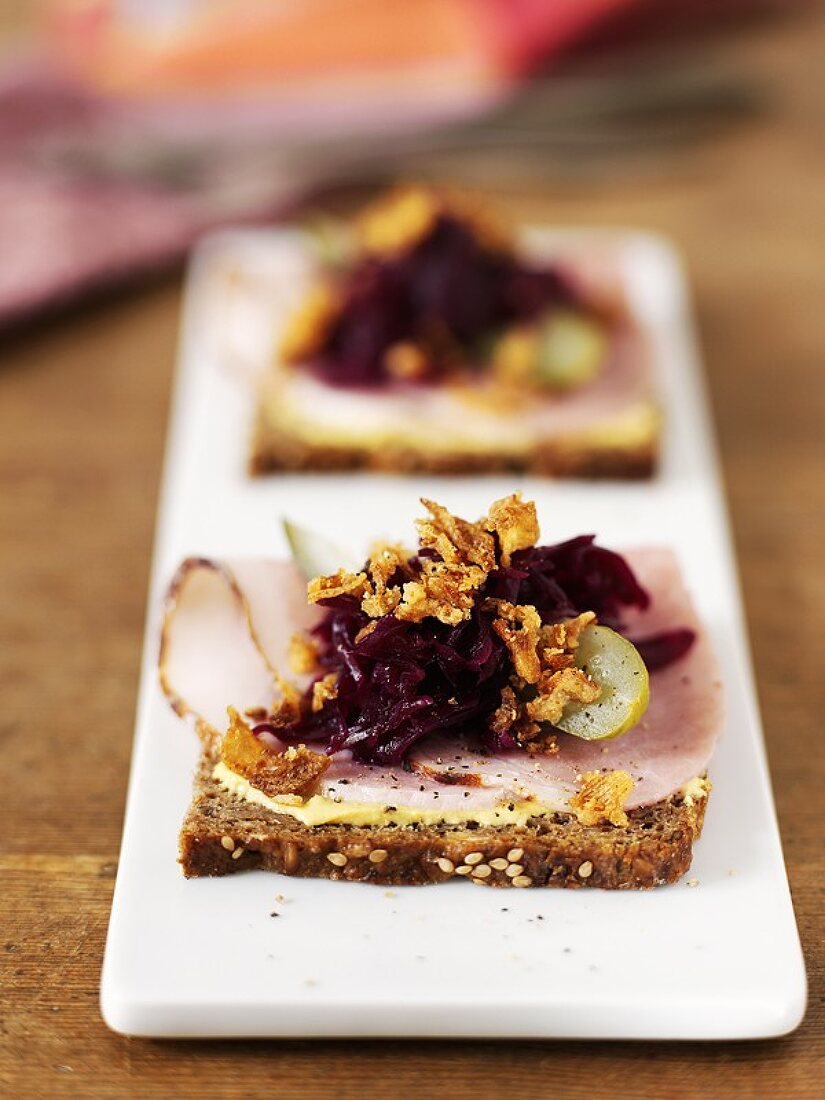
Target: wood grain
(83,404)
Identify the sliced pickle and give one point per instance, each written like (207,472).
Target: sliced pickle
(571,350)
(331,241)
(314,554)
(616,666)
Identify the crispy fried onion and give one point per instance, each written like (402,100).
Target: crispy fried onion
(293,772)
(460,557)
(511,716)
(557,689)
(446,592)
(457,558)
(515,523)
(309,326)
(303,654)
(601,797)
(341,583)
(457,541)
(543,659)
(398,220)
(519,627)
(324,689)
(385,562)
(402,218)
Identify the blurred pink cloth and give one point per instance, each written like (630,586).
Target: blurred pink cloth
(68,226)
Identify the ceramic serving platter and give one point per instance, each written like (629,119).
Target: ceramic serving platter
(716,956)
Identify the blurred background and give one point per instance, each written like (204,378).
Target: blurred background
(129,128)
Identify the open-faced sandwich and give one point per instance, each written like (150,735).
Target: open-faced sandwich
(482,707)
(439,345)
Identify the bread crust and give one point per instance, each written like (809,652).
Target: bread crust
(283,453)
(222,834)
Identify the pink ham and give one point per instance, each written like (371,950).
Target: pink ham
(225,635)
(227,628)
(623,384)
(622,387)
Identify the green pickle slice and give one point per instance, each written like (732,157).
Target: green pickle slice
(571,350)
(315,555)
(616,666)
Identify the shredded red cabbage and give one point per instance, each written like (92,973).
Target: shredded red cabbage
(404,680)
(448,293)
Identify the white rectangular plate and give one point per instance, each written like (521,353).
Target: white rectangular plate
(714,958)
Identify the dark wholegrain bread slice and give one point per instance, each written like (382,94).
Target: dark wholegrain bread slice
(284,452)
(222,833)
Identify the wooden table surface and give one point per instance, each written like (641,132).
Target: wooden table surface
(83,406)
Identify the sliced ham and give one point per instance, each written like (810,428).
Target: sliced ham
(226,632)
(225,635)
(623,388)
